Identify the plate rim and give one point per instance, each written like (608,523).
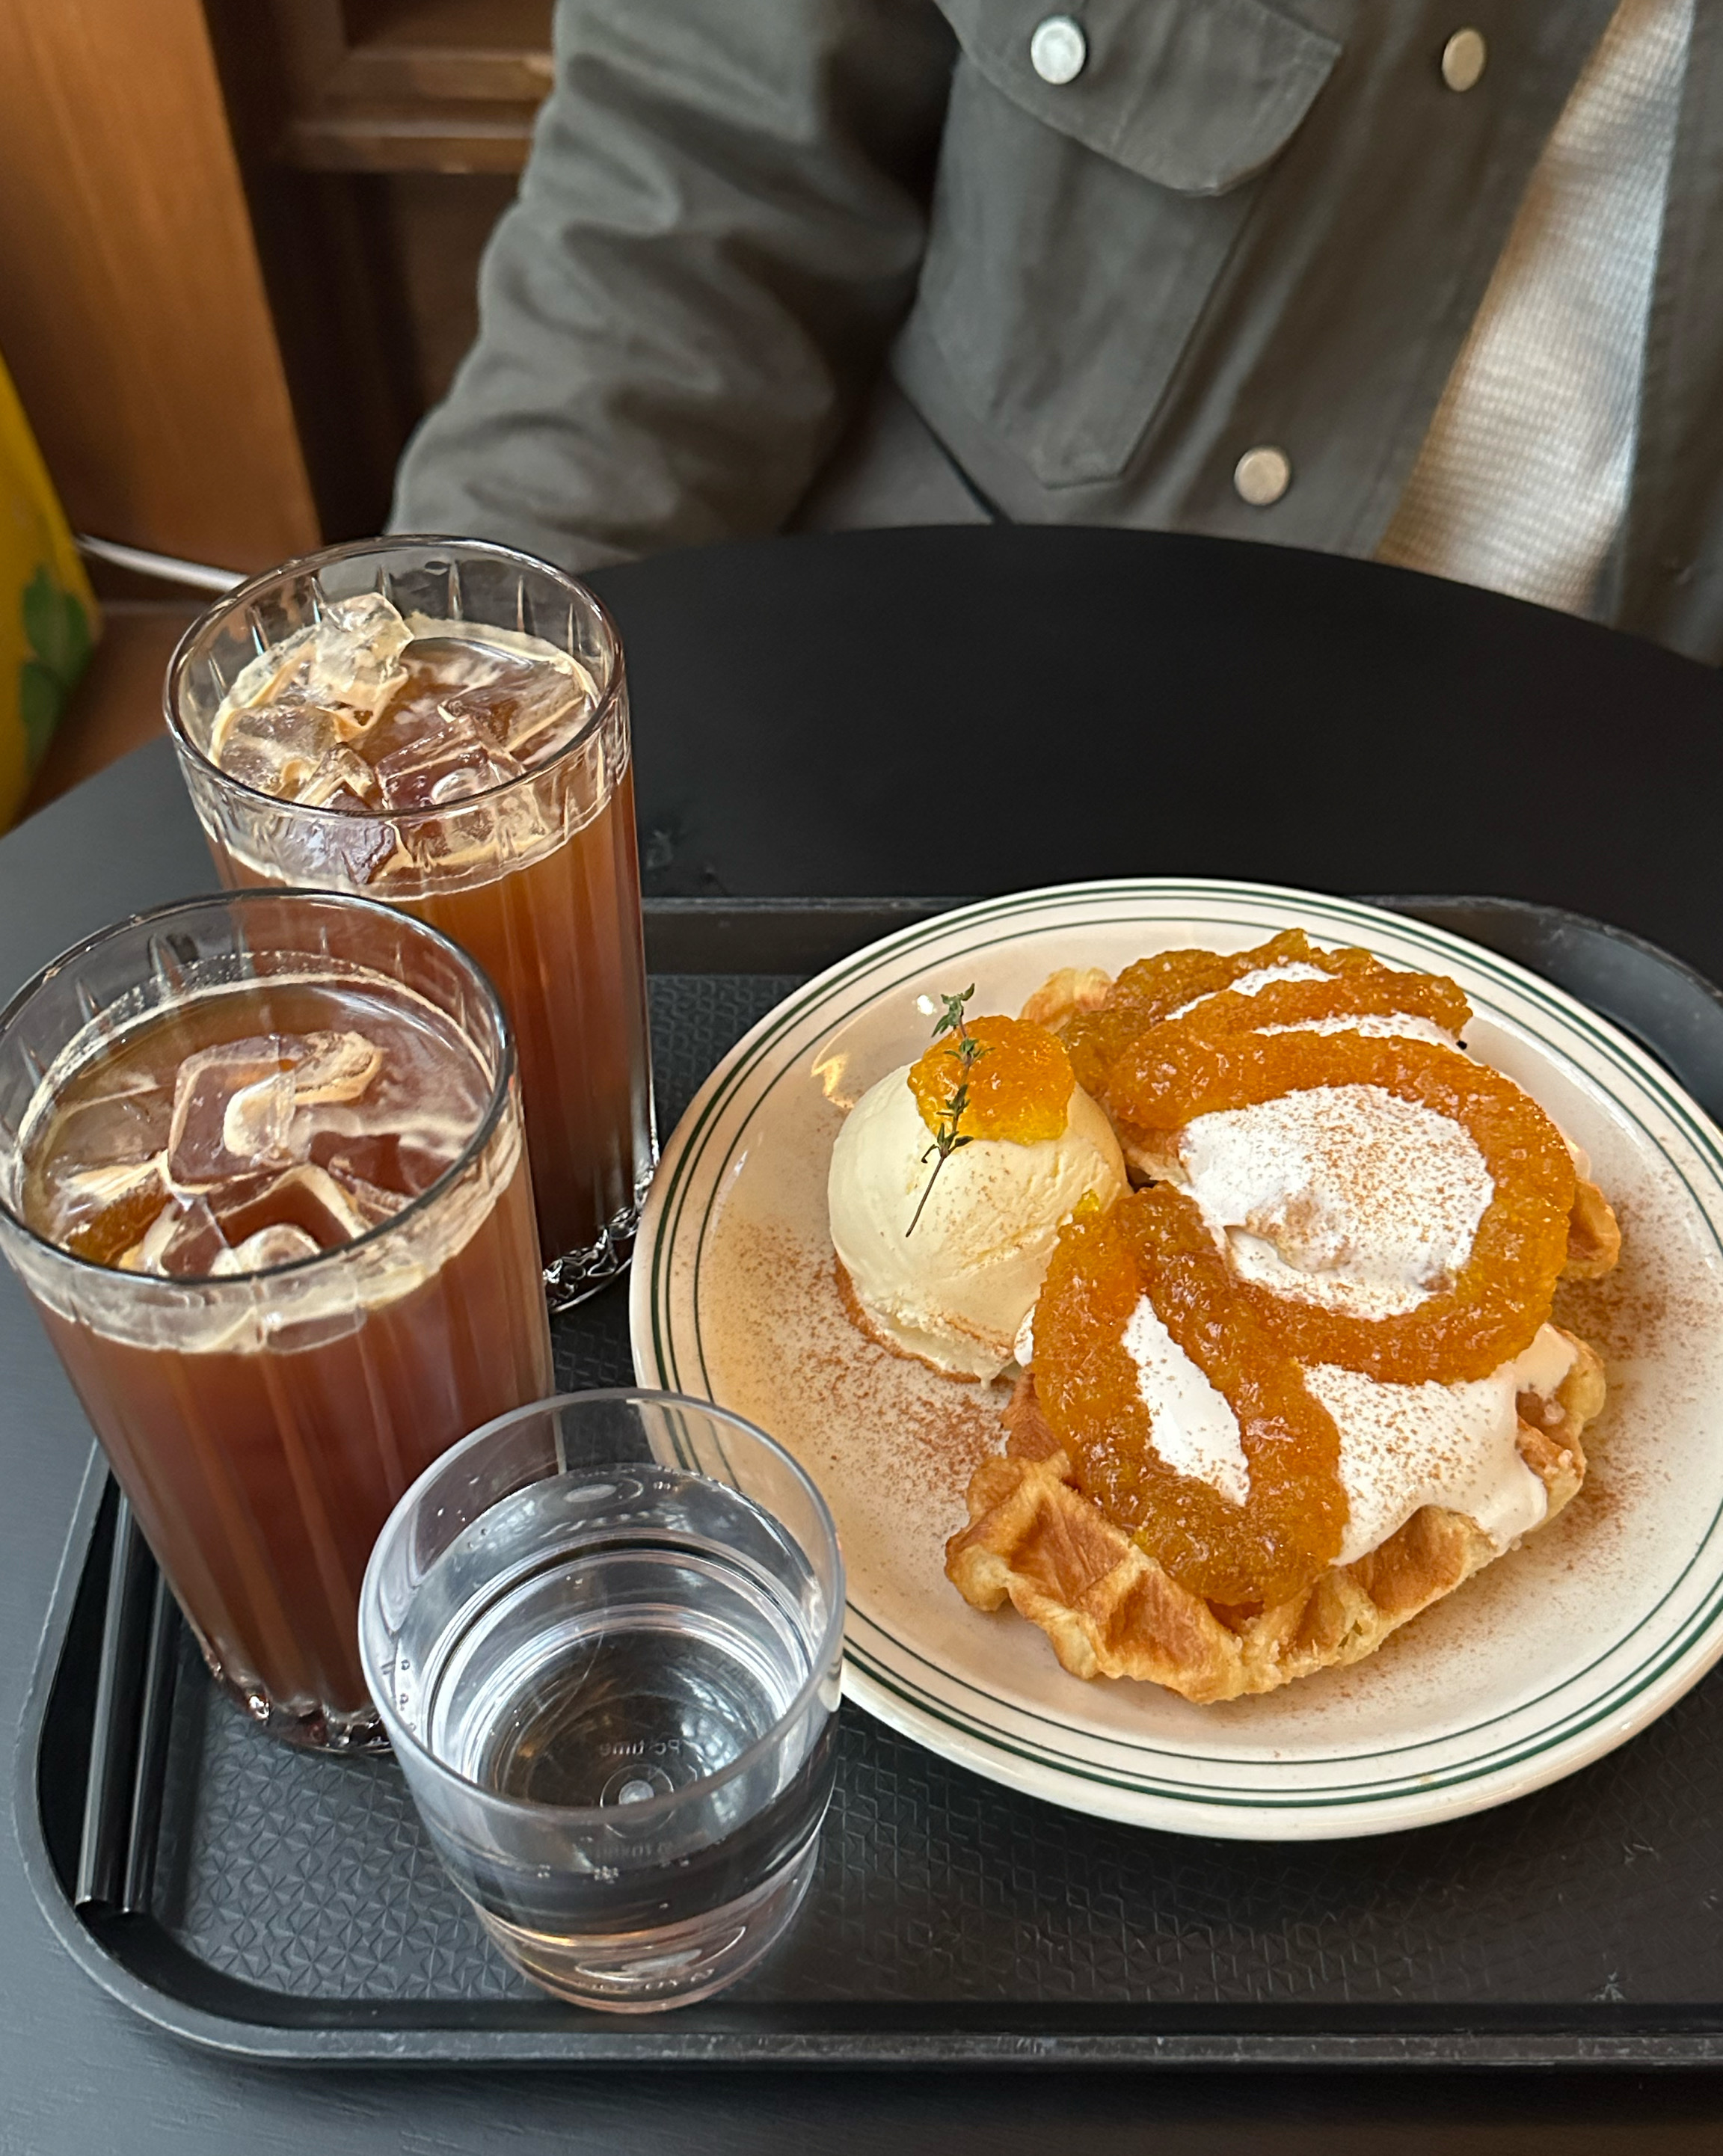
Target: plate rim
(1582,1732)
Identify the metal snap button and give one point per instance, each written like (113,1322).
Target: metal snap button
(1463,59)
(1262,475)
(1058,49)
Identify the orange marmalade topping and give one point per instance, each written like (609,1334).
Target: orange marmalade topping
(1383,994)
(1288,1530)
(1152,991)
(1171,1074)
(1019,1085)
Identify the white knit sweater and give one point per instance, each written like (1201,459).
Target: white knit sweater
(1523,477)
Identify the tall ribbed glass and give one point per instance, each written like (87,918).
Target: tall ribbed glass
(537,875)
(266,1393)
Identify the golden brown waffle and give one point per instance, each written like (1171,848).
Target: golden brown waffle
(1062,995)
(1109,1609)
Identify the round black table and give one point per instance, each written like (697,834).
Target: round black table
(977,711)
(943,712)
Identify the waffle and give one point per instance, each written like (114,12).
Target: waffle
(1062,995)
(1110,1610)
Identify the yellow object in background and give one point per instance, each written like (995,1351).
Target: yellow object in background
(47,612)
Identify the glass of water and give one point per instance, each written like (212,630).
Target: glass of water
(603,1635)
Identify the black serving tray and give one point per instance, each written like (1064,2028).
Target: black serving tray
(284,1906)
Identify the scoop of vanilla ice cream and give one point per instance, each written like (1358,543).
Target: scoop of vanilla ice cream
(956,1291)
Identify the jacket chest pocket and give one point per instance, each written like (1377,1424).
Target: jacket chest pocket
(1078,227)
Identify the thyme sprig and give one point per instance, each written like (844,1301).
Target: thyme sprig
(966,1050)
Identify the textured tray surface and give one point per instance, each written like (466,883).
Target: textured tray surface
(298,1911)
(311,1877)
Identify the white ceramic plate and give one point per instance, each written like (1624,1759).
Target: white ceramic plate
(1550,1658)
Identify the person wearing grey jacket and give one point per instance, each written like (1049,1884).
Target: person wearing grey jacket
(1375,276)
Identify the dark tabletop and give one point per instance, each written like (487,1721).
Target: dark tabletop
(944,712)
(981,711)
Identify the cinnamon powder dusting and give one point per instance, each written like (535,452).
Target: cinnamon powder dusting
(785,1352)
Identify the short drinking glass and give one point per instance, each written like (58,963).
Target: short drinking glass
(604,1635)
(443,724)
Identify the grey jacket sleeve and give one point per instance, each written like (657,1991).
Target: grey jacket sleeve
(718,230)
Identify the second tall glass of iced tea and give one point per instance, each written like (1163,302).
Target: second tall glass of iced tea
(444,724)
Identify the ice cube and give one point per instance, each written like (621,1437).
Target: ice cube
(333,1066)
(232,1110)
(391,1149)
(450,764)
(339,778)
(488,703)
(257,1119)
(270,1246)
(355,657)
(306,1199)
(251,1104)
(472,772)
(276,675)
(528,709)
(183,1242)
(99,1213)
(371,1201)
(332,1111)
(276,747)
(78,1190)
(414,714)
(450,663)
(127,1123)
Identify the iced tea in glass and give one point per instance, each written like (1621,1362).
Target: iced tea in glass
(263,1172)
(444,724)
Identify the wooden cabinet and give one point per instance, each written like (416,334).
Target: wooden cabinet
(238,247)
(414,86)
